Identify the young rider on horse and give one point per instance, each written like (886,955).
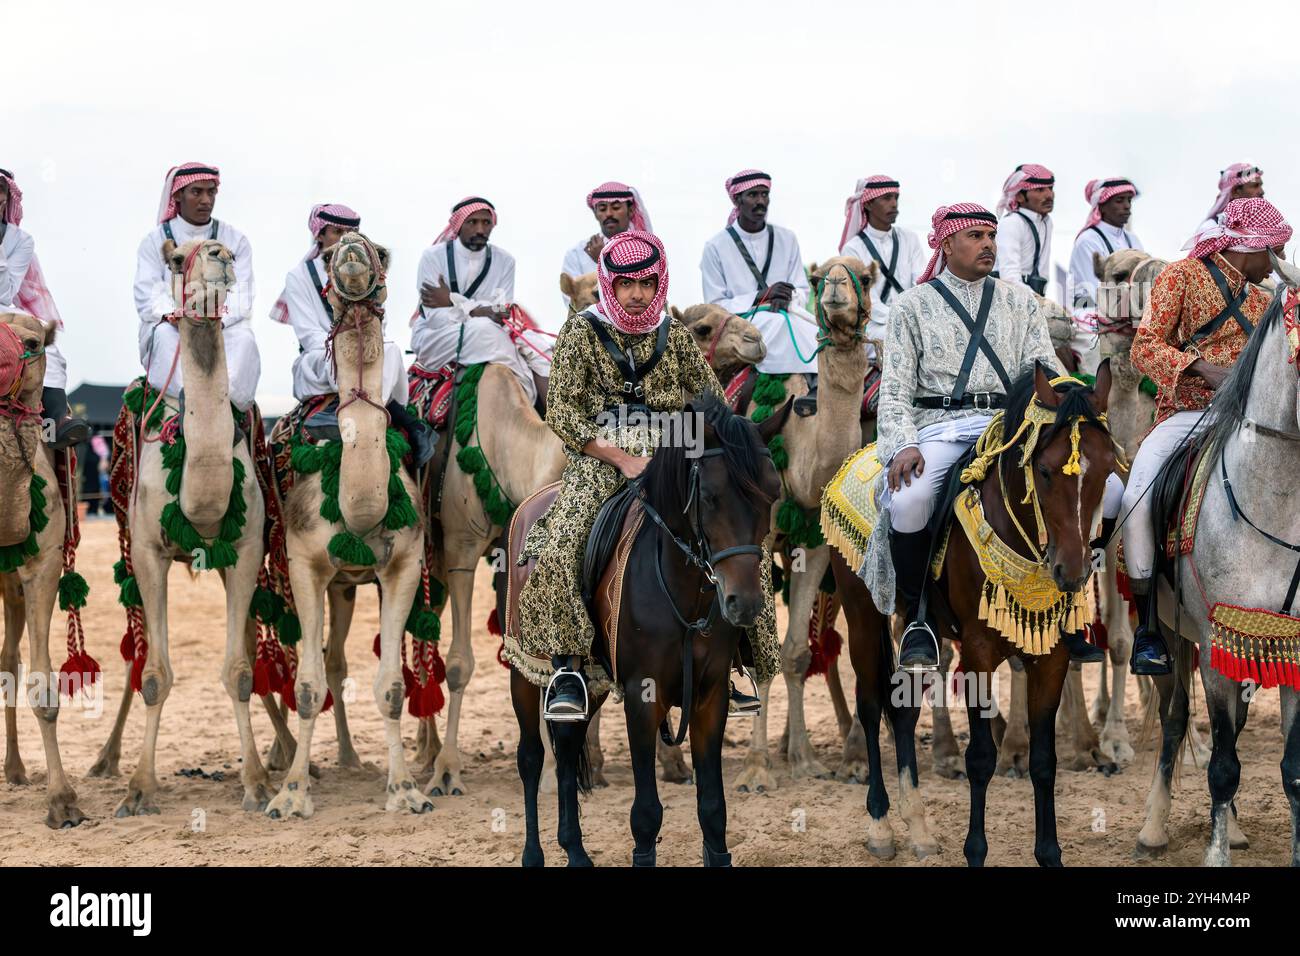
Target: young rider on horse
(615,365)
(1202,311)
(956,342)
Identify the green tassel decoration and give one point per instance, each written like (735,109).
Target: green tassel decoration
(351,550)
(73,591)
(289,629)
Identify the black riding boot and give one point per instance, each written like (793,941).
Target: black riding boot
(67,431)
(806,405)
(1081,650)
(739,703)
(421,436)
(1150,653)
(566,696)
(911,554)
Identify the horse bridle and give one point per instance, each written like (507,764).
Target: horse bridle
(699,555)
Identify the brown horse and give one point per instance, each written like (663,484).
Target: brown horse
(1065,417)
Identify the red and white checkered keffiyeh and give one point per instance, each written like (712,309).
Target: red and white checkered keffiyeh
(1026,177)
(1246,225)
(855,207)
(632,255)
(1235,175)
(948,220)
(462,211)
(640,219)
(321,215)
(1099,191)
(742,181)
(33,296)
(178,177)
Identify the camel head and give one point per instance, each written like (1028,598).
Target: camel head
(1126,277)
(727,341)
(581,291)
(1060,324)
(203,270)
(843,286)
(357,269)
(20,403)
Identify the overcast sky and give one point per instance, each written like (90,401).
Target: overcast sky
(400,111)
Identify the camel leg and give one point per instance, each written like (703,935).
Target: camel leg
(399,581)
(10,660)
(427,745)
(944,754)
(106,763)
(342,603)
(308,583)
(756,773)
(596,756)
(1115,742)
(151,567)
(39,589)
(1198,751)
(795,656)
(237,670)
(446,780)
(1013,755)
(1074,707)
(672,762)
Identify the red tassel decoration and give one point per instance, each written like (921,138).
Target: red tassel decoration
(127,648)
(494,623)
(376,647)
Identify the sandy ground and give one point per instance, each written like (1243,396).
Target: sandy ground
(809,823)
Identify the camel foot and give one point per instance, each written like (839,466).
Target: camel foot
(1117,750)
(257,797)
(804,764)
(1013,761)
(16,774)
(950,766)
(105,765)
(598,779)
(405,795)
(64,814)
(756,774)
(137,803)
(853,769)
(293,800)
(349,760)
(673,766)
(1144,852)
(446,780)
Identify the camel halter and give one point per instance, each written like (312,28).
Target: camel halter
(13,409)
(717,338)
(360,308)
(991,445)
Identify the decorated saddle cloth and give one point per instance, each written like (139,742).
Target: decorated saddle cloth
(1256,644)
(1019,598)
(430,393)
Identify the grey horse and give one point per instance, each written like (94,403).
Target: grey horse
(1253,428)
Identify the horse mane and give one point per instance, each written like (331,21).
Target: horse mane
(665,481)
(1076,402)
(1228,410)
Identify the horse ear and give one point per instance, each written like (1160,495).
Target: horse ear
(1098,265)
(1043,386)
(772,425)
(172,256)
(566,284)
(1101,390)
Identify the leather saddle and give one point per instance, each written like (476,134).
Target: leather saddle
(1176,496)
(604,561)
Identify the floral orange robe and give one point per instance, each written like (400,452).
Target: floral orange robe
(1184,298)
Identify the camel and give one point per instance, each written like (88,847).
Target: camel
(817,445)
(202,271)
(31,587)
(369,540)
(524,454)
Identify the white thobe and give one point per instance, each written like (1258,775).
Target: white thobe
(912,260)
(791,340)
(1016,245)
(442,336)
(159,341)
(313,372)
(1084,282)
(16,252)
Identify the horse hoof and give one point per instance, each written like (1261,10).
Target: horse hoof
(1108,769)
(533,858)
(1144,852)
(882,851)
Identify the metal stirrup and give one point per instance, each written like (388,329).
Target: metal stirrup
(919,668)
(560,717)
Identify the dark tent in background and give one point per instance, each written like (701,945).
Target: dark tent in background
(97,404)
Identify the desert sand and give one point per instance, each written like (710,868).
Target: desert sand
(805,823)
